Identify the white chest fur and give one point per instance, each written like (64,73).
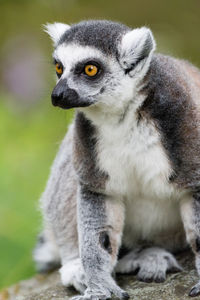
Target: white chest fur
(133,156)
(138,168)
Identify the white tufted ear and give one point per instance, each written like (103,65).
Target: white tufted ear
(55,31)
(136,46)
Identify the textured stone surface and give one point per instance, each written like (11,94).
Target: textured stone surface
(48,287)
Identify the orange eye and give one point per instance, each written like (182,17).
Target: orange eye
(91,70)
(59,69)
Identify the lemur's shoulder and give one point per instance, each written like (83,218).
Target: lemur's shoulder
(172,101)
(172,75)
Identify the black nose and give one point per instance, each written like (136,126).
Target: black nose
(65,97)
(58,92)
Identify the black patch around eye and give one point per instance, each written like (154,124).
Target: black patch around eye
(80,68)
(55,61)
(105,241)
(58,75)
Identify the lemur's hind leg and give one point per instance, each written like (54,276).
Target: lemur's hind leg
(62,215)
(190,211)
(150,264)
(100,227)
(46,254)
(58,204)
(47,258)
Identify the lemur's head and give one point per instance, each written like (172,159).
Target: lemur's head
(98,63)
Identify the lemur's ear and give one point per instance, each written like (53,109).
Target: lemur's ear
(136,46)
(55,31)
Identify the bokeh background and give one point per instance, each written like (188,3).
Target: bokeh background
(30,128)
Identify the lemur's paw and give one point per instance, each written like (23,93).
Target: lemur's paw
(155,263)
(195,291)
(103,294)
(72,275)
(93,295)
(46,255)
(150,264)
(101,288)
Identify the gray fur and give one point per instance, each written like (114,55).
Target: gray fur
(58,202)
(85,208)
(46,253)
(175,107)
(97,261)
(85,138)
(150,264)
(103,35)
(172,100)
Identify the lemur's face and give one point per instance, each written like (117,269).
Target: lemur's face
(85,76)
(96,62)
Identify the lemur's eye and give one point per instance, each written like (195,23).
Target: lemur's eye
(91,70)
(59,69)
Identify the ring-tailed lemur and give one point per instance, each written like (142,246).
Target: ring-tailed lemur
(127,174)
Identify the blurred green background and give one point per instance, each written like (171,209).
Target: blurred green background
(30,128)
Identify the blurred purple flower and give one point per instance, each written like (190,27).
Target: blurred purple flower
(23,72)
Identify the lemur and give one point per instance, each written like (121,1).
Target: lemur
(124,190)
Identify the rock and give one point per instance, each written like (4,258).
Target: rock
(48,287)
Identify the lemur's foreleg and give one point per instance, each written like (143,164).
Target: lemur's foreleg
(100,224)
(190,210)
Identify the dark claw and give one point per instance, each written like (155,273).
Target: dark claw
(147,280)
(125,296)
(195,291)
(159,279)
